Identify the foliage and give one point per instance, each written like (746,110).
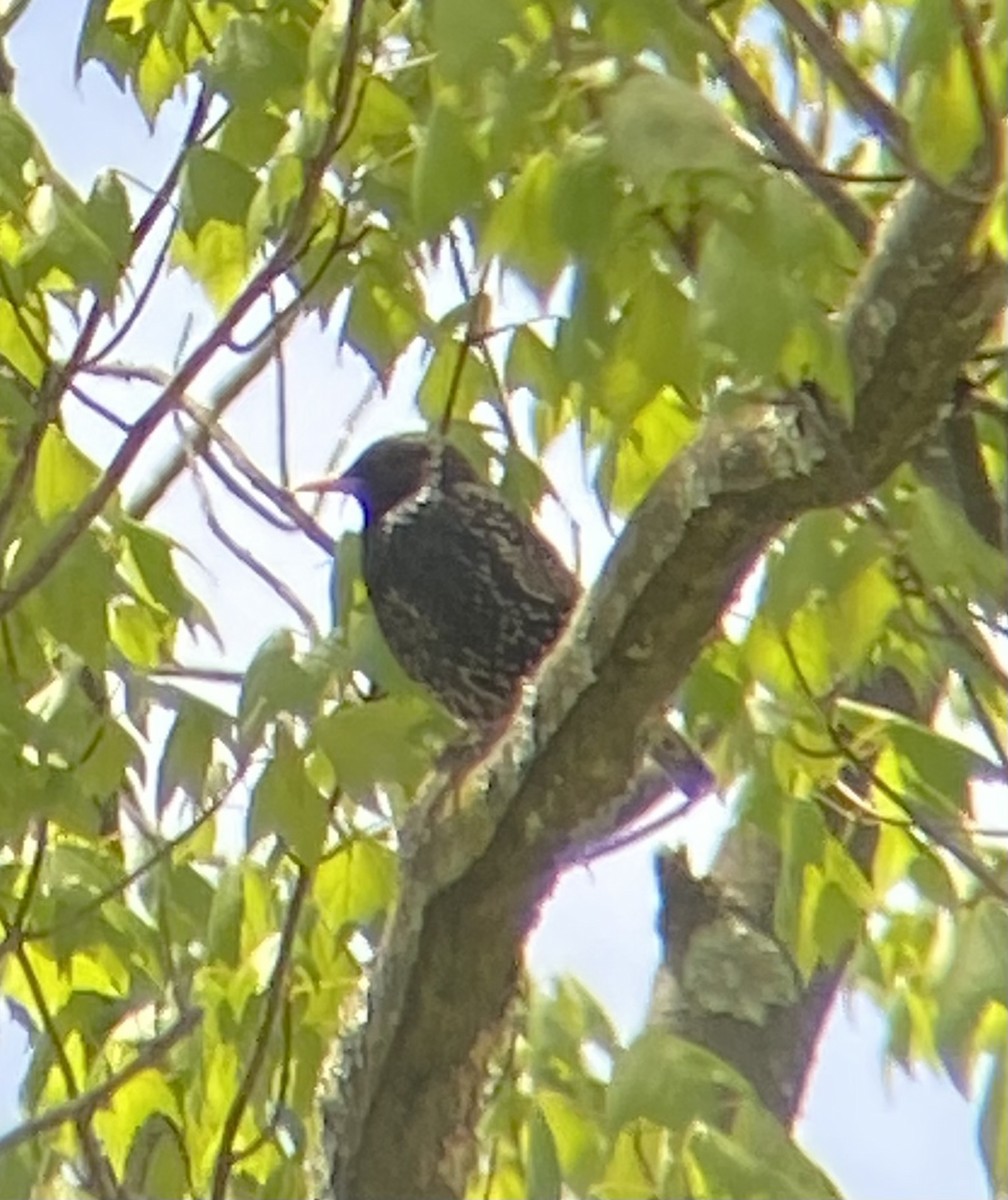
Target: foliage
(345,161)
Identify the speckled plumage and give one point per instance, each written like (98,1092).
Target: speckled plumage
(468,595)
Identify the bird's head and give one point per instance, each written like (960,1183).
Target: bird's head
(394,469)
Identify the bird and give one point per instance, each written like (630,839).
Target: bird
(468,595)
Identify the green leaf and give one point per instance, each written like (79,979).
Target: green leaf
(144,636)
(659,127)
(77,245)
(223,934)
(253,65)
(932,879)
(745,304)
(285,804)
(836,924)
(975,976)
(158,74)
(521,224)
(856,617)
(470,39)
(939,96)
(20,1169)
(157,1164)
(147,562)
(704,1083)
(140,1097)
(390,739)
(250,136)
(187,753)
(761,1133)
(543,1178)
(531,364)
(579,1142)
(18,147)
(586,199)
(275,682)
(947,550)
(63,475)
(214,188)
(447,174)
(276,197)
(356,883)
(719,1167)
(638,1157)
(934,768)
(71,603)
(102,770)
(444,382)
(385,310)
(218,258)
(23,334)
(108,216)
(635,459)
(655,345)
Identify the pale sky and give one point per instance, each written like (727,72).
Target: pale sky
(893,1139)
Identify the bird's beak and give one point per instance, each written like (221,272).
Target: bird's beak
(336,483)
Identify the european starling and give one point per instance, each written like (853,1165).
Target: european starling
(468,595)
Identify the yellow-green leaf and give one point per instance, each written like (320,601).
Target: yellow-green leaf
(63,475)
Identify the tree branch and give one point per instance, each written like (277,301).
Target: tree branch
(473,881)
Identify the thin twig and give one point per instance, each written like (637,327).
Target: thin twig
(125,881)
(877,113)
(14,933)
(283,429)
(224,396)
(139,304)
(948,836)
(225,1157)
(198,674)
(247,559)
(776,130)
(283,499)
(993,134)
(85,1104)
(209,458)
(98,408)
(102,1178)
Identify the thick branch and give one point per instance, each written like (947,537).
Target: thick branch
(473,882)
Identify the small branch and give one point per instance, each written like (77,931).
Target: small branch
(52,551)
(130,320)
(224,396)
(759,109)
(125,881)
(14,934)
(97,408)
(880,117)
(274,998)
(205,420)
(986,723)
(247,559)
(85,1104)
(200,674)
(282,423)
(993,134)
(944,834)
(209,459)
(101,1176)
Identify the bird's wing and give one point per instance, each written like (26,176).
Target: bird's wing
(536,567)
